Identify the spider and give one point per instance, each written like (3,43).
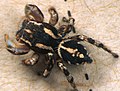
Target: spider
(45,38)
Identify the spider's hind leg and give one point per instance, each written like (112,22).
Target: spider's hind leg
(33,13)
(15,48)
(53,16)
(31,61)
(49,63)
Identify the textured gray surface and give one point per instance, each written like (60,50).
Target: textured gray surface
(99,19)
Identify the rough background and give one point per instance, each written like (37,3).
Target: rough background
(99,19)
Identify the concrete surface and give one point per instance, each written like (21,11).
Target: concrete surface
(99,19)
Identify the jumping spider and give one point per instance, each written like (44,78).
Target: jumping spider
(44,38)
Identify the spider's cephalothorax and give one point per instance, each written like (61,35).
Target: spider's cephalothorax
(44,38)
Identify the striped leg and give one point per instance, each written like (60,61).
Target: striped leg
(50,64)
(67,25)
(31,61)
(71,22)
(67,74)
(94,42)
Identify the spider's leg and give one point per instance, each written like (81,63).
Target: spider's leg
(71,22)
(93,42)
(33,13)
(50,64)
(67,26)
(67,74)
(16,49)
(53,16)
(31,61)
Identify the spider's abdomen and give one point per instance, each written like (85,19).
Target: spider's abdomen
(40,36)
(73,52)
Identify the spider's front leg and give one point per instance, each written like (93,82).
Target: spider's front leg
(16,49)
(67,74)
(93,42)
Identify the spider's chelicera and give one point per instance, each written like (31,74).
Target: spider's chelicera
(44,38)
